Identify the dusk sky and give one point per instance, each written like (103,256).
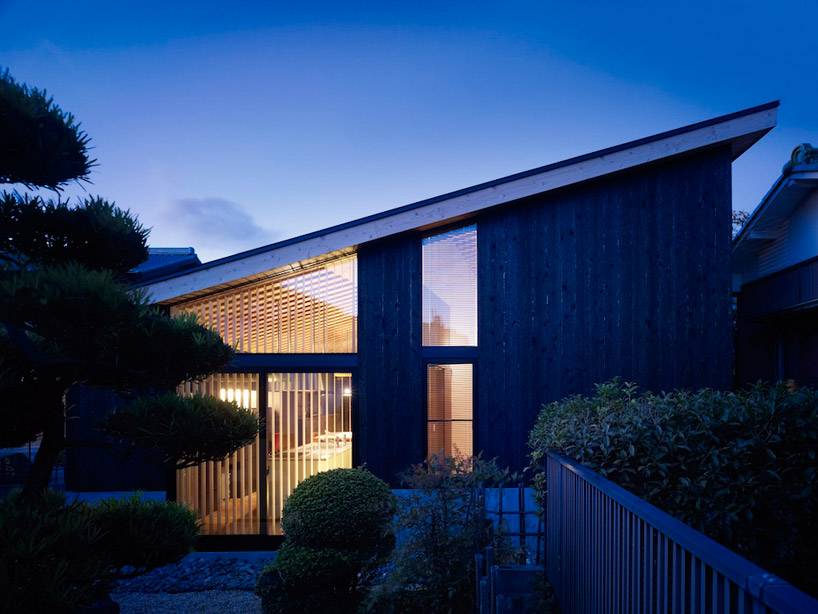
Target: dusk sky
(228,127)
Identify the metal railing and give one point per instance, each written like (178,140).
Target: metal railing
(609,551)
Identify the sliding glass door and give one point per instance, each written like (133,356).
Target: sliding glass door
(307,428)
(226,492)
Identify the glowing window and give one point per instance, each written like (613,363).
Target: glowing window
(450,288)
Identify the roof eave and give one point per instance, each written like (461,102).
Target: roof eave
(738,130)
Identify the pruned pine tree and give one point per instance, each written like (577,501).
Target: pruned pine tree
(68,316)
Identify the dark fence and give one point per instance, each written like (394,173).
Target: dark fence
(609,551)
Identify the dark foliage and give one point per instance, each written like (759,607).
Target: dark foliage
(738,220)
(68,318)
(93,233)
(40,145)
(47,555)
(739,467)
(442,524)
(137,536)
(57,556)
(338,527)
(188,430)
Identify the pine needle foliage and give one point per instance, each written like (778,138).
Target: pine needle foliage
(40,144)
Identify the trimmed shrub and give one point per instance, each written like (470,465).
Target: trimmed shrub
(342,508)
(137,535)
(58,557)
(739,467)
(48,555)
(338,528)
(442,524)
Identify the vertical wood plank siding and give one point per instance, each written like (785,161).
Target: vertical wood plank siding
(390,423)
(625,276)
(628,275)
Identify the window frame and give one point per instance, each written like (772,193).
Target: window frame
(439,230)
(475,404)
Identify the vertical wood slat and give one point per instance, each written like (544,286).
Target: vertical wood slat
(561,292)
(310,311)
(223,492)
(391,371)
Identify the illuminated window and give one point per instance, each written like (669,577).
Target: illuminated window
(450,288)
(308,430)
(311,312)
(449,403)
(225,493)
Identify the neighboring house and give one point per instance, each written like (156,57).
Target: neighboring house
(775,276)
(445,324)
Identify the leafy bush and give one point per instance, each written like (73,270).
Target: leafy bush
(338,528)
(442,524)
(739,467)
(48,555)
(56,557)
(137,535)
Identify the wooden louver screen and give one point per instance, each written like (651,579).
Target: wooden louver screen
(308,430)
(315,311)
(226,492)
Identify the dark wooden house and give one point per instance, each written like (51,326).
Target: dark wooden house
(444,325)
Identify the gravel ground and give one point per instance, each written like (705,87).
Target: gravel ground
(202,582)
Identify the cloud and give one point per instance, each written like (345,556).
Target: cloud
(216,225)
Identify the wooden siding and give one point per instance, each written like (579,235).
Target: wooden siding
(793,288)
(390,423)
(623,277)
(777,336)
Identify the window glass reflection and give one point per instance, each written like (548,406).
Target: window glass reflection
(450,288)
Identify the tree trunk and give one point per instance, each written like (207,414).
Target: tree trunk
(50,447)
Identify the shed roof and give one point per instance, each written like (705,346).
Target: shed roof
(739,130)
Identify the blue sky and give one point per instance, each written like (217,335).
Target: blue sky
(228,127)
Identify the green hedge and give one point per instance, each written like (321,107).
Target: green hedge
(739,467)
(57,556)
(338,528)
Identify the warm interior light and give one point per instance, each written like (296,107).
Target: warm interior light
(347,392)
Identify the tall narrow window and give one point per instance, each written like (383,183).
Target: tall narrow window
(449,405)
(450,288)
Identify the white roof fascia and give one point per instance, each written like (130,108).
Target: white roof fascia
(459,205)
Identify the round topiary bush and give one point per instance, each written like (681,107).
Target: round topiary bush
(338,529)
(348,509)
